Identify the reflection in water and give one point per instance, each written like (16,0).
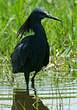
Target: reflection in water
(23,101)
(61,97)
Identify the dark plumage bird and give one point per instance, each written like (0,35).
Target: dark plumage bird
(32,53)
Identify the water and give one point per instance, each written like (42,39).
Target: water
(6,97)
(60,97)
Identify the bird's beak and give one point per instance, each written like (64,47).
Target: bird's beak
(52,17)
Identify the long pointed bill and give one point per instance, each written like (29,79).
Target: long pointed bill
(52,17)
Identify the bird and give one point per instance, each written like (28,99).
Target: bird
(31,54)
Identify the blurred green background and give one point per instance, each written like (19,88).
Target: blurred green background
(62,38)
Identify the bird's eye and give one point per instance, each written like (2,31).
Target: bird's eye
(42,13)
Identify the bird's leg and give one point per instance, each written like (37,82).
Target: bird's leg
(32,80)
(27,80)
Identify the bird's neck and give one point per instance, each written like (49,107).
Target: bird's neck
(39,30)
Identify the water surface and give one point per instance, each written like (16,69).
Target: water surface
(55,97)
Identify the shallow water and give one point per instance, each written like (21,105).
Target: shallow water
(60,97)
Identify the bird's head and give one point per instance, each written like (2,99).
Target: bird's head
(38,14)
(35,17)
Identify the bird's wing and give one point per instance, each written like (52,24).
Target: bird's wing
(20,55)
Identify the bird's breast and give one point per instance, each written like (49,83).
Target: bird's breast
(39,50)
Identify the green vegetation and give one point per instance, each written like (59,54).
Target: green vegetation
(62,37)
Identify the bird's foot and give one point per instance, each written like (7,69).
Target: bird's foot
(27,91)
(34,91)
(33,86)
